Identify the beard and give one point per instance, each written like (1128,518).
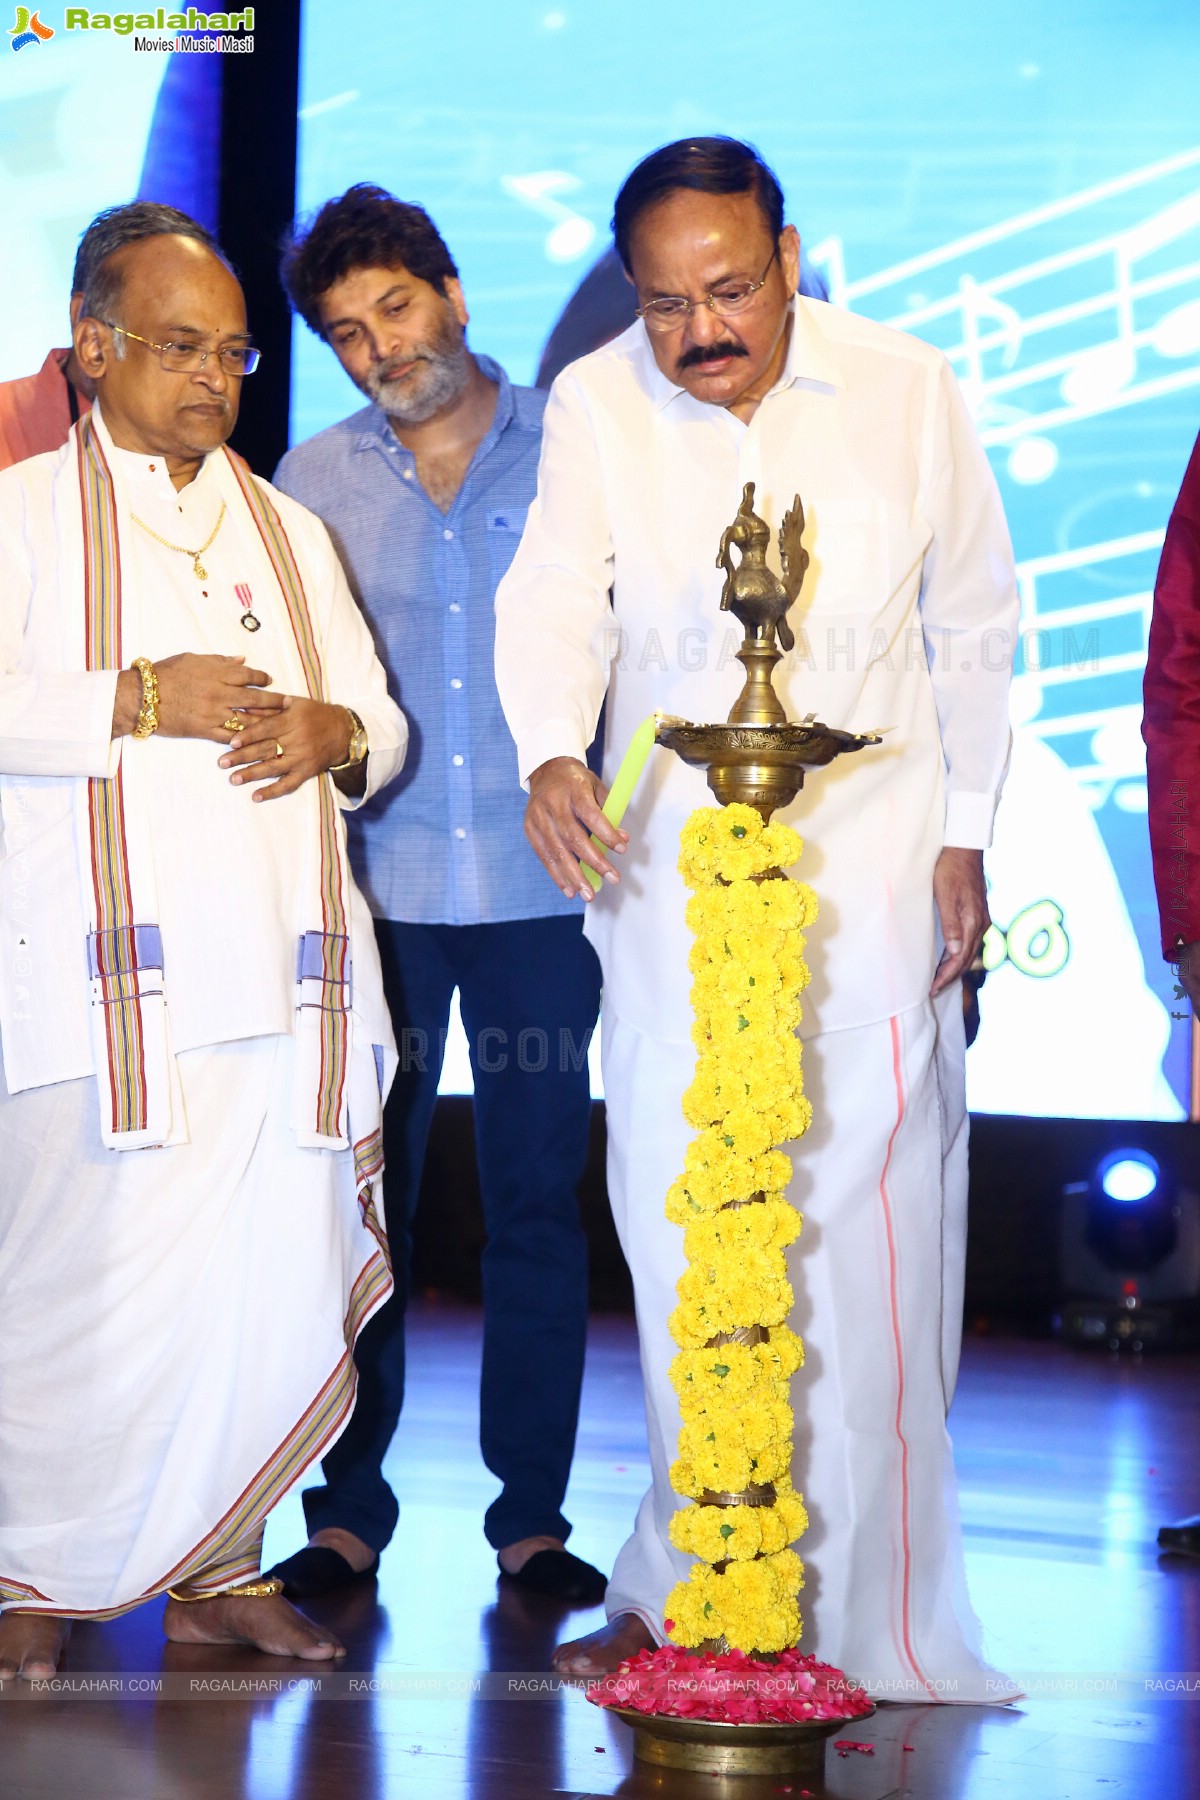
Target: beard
(441,369)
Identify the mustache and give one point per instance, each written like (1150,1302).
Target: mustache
(703,353)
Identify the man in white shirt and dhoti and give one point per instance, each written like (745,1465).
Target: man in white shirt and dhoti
(195,1043)
(906,621)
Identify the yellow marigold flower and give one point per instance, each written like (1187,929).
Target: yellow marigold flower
(782,1354)
(789,1511)
(712,839)
(722,1466)
(684,1478)
(685,1608)
(793,1120)
(714,1168)
(759,1605)
(703,1315)
(693,1194)
(703,1101)
(783,845)
(809,904)
(730,1372)
(744,1241)
(707,992)
(753,1604)
(717,1533)
(746,1131)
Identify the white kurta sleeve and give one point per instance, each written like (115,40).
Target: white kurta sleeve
(58,724)
(50,723)
(555,632)
(969,613)
(354,675)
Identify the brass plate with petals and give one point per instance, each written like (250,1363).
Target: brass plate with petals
(709,1747)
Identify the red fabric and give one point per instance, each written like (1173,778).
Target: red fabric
(1171,721)
(35,412)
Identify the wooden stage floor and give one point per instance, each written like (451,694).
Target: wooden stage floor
(1068,1464)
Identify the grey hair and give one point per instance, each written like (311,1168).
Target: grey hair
(110,231)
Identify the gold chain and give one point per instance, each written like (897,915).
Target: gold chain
(198,569)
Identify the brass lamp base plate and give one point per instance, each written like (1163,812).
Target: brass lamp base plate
(759,765)
(709,1747)
(809,745)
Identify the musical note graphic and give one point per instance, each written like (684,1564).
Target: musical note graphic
(1041,335)
(1061,316)
(572,235)
(1081,660)
(980,305)
(1101,373)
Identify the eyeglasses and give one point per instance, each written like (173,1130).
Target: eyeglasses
(186,359)
(731,297)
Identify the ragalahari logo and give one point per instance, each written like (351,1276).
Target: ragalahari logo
(29,29)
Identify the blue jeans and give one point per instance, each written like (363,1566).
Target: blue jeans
(529,992)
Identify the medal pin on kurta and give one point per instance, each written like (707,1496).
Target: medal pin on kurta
(246,599)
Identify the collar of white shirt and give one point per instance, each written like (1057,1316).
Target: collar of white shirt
(809,358)
(145,477)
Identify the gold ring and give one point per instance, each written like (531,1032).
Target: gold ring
(233,723)
(278,748)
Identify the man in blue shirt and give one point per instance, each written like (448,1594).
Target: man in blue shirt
(425,493)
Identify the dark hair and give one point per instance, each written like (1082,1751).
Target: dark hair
(710,165)
(111,231)
(367,228)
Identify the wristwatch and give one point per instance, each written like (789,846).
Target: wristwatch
(357,752)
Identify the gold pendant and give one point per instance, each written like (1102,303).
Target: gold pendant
(199,570)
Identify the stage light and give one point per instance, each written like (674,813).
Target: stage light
(1131,1213)
(1128,1176)
(1130,1254)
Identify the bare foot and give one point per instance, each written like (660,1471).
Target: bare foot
(360,1556)
(513,1557)
(602,1651)
(31,1645)
(272,1625)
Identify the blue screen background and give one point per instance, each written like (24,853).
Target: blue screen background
(1021,186)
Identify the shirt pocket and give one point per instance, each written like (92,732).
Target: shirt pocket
(504,527)
(848,568)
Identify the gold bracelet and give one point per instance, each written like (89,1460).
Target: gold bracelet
(244,1590)
(147,719)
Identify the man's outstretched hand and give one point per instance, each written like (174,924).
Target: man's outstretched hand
(960,895)
(565,801)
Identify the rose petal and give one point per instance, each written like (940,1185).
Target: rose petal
(736,1688)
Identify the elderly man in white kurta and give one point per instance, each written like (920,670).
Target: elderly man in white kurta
(905,622)
(195,1042)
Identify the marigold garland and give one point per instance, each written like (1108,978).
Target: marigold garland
(746,1098)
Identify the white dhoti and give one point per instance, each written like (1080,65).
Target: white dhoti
(881,1179)
(175,1334)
